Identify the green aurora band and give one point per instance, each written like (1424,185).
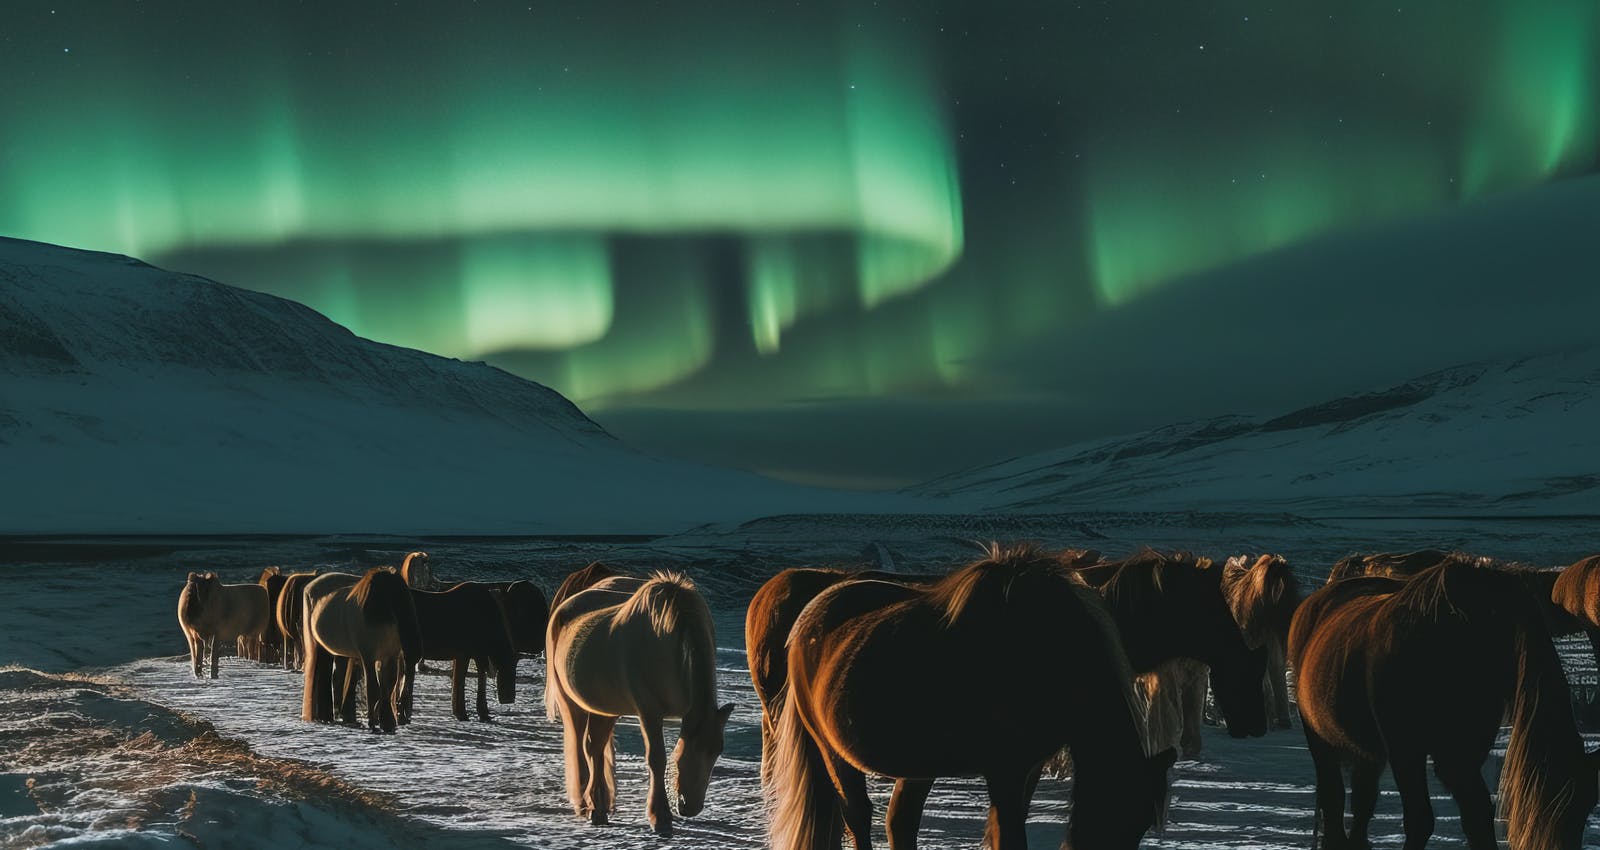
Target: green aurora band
(582,201)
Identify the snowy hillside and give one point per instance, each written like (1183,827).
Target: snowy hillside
(137,400)
(1514,437)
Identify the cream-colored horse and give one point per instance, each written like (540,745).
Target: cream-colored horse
(210,612)
(368,621)
(417,570)
(641,647)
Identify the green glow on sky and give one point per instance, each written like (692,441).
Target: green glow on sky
(739,206)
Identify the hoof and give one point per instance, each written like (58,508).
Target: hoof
(662,827)
(598,818)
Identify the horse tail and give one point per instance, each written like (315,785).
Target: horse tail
(802,808)
(317,671)
(1544,757)
(405,621)
(552,681)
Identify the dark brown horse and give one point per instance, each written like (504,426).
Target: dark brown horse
(357,625)
(462,624)
(1041,663)
(580,580)
(270,648)
(287,613)
(1263,595)
(526,612)
(1395,672)
(1561,592)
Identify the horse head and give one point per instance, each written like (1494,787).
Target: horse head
(417,571)
(1104,813)
(200,587)
(697,751)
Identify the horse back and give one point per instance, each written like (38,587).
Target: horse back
(464,621)
(772,612)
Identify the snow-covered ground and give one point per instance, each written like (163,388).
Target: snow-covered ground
(115,743)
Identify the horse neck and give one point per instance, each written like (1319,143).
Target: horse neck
(700,672)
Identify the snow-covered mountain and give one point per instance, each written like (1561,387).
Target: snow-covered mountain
(1518,437)
(135,400)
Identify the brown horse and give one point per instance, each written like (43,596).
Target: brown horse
(778,603)
(210,612)
(1263,594)
(291,603)
(1561,592)
(1396,672)
(868,692)
(465,623)
(580,580)
(364,625)
(641,647)
(270,648)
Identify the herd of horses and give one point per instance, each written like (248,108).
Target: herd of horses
(1021,664)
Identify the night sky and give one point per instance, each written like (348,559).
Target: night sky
(838,243)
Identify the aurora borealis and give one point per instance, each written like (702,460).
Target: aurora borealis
(746,209)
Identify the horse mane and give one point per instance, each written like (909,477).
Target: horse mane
(372,588)
(995,574)
(1262,595)
(661,600)
(1147,572)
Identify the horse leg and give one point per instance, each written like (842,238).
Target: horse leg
(658,807)
(575,724)
(1008,810)
(855,804)
(1193,703)
(344,679)
(387,673)
(483,693)
(1465,782)
(211,647)
(1363,800)
(196,652)
(905,812)
(598,750)
(1330,789)
(458,688)
(1410,771)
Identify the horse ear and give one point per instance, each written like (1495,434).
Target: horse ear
(724,712)
(192,577)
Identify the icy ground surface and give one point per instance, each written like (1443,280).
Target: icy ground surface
(109,740)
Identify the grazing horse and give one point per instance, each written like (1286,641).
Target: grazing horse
(1396,672)
(1041,667)
(642,647)
(270,647)
(1561,592)
(417,570)
(778,603)
(357,624)
(464,623)
(210,612)
(1263,594)
(291,602)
